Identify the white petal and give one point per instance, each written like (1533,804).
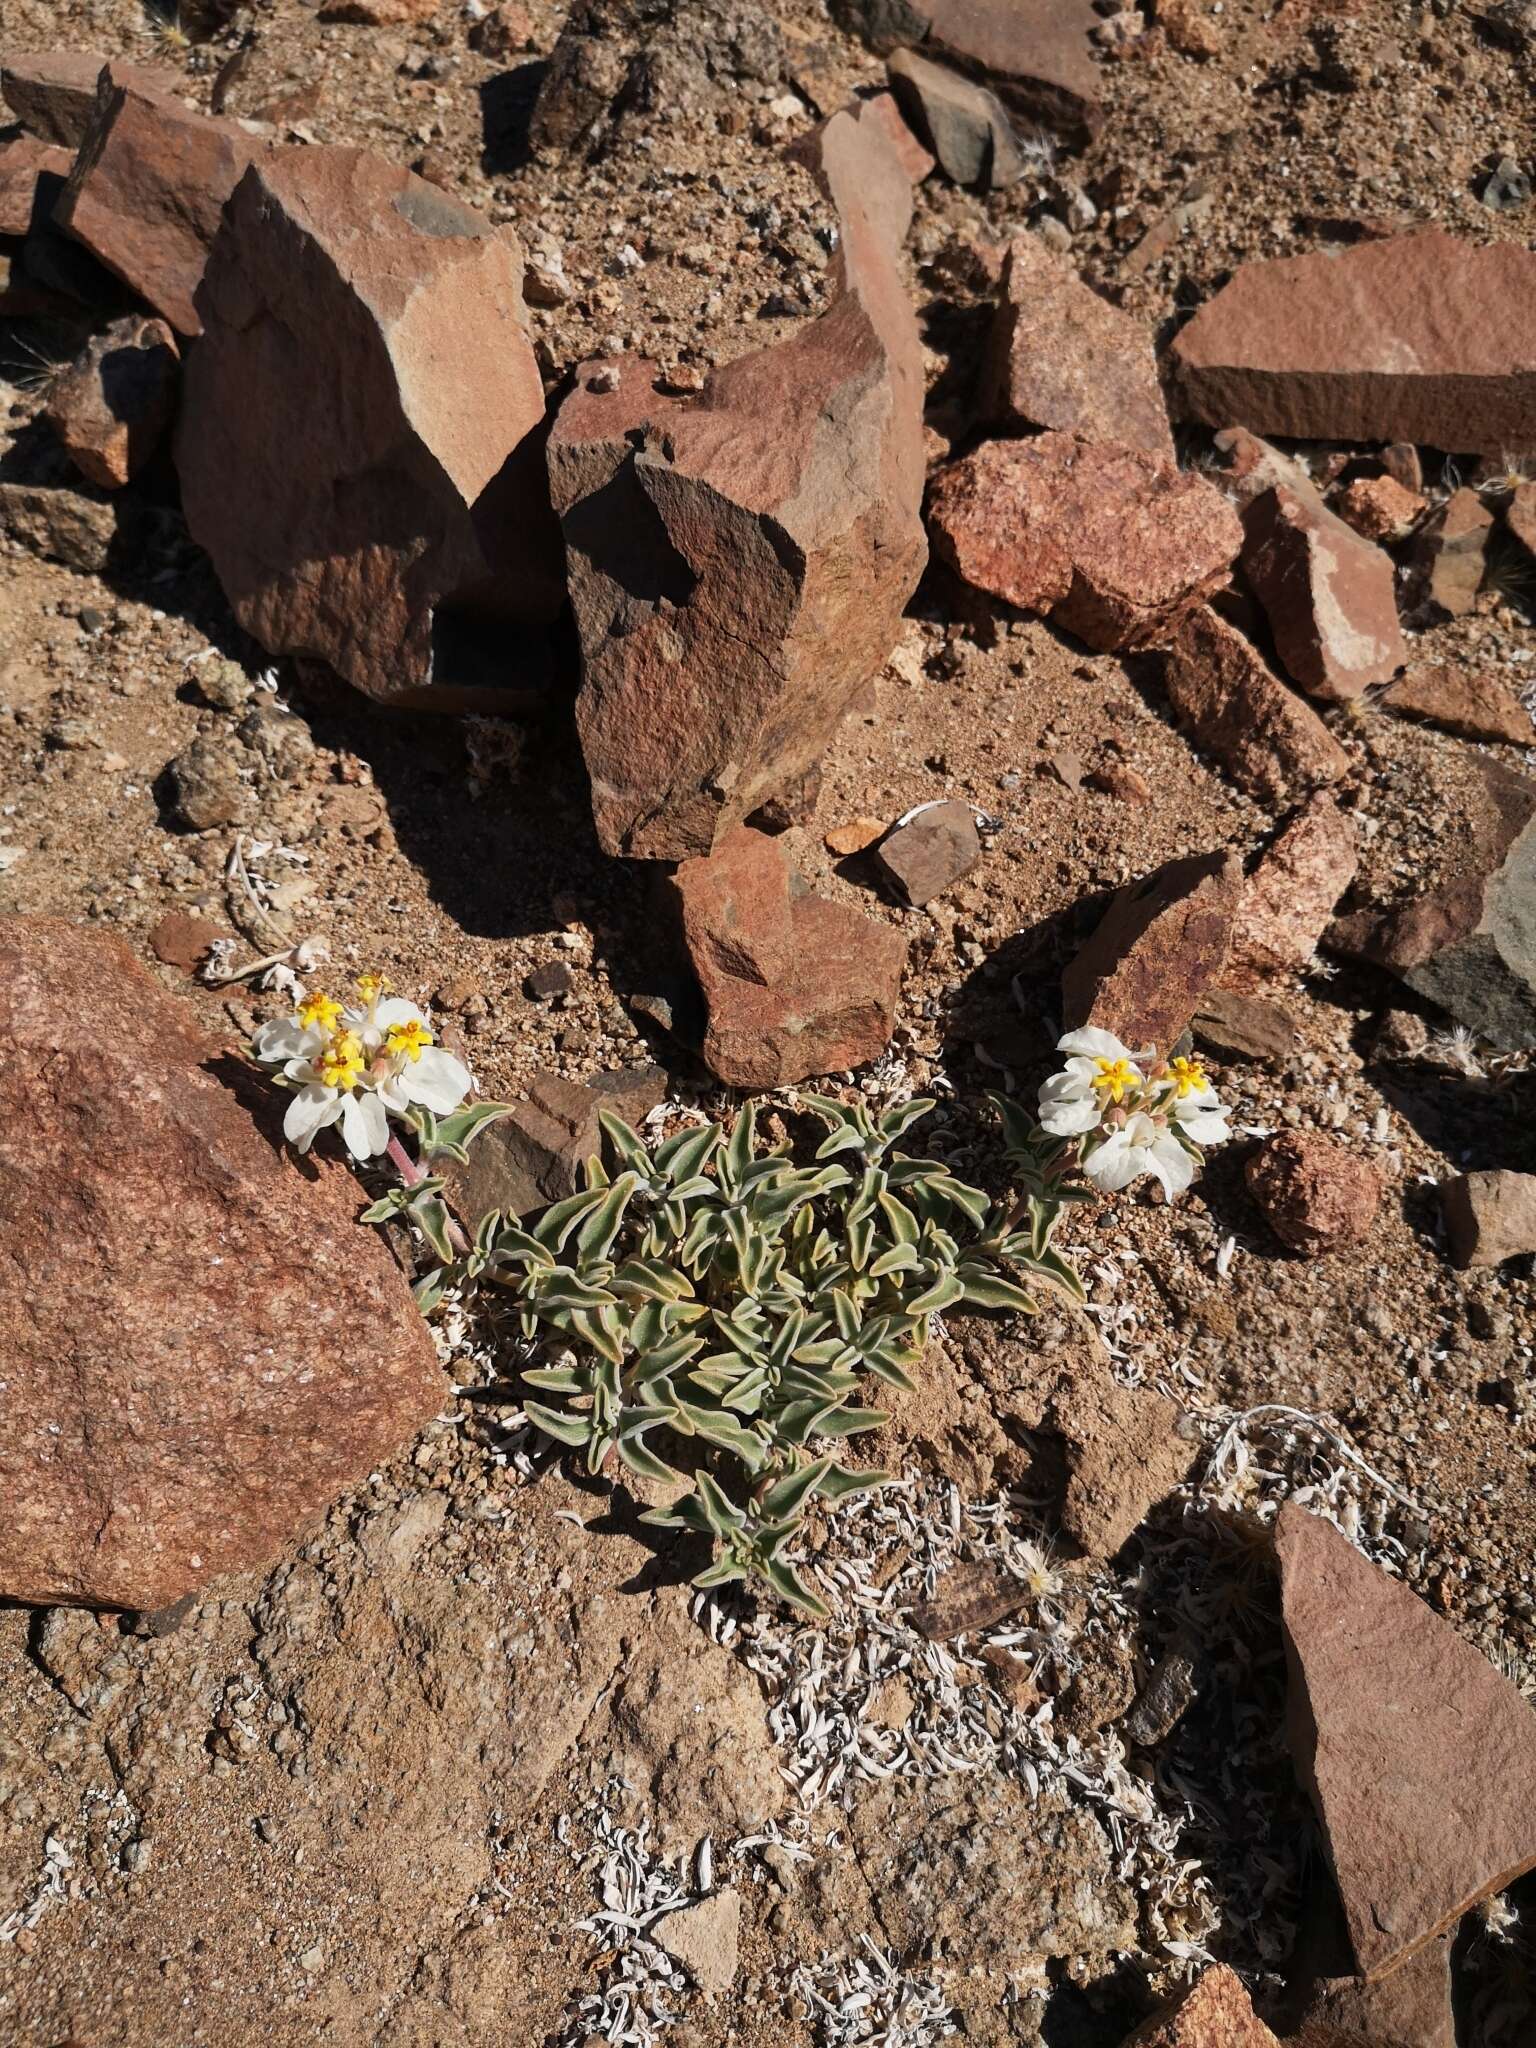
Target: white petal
(1172,1164)
(1208,1127)
(287,1039)
(395,1010)
(1095,1045)
(361,1118)
(308,1114)
(1070,1118)
(1114,1164)
(437,1080)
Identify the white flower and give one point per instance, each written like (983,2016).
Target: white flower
(1140,1145)
(1193,1104)
(355,1067)
(1101,1074)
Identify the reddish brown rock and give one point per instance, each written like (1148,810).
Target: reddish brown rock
(1190,26)
(1401,462)
(846,840)
(881,108)
(1450,553)
(1379,507)
(795,985)
(739,561)
(1329,595)
(1489,1217)
(1474,707)
(930,851)
(32,176)
(1215,2012)
(1421,338)
(1419,1757)
(148,189)
(1411,2008)
(199,1368)
(112,406)
(1124,1454)
(1245,1027)
(54,92)
(536,1155)
(181,939)
(1035,54)
(383,495)
(1160,945)
(1291,894)
(1114,544)
(1062,357)
(1468,942)
(1269,740)
(1316,1195)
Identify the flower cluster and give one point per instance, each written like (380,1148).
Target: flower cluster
(1132,1112)
(358,1065)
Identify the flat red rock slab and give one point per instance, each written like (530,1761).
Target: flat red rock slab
(1115,544)
(1474,707)
(1421,338)
(1270,740)
(24,165)
(1062,357)
(1420,1759)
(213,1347)
(1161,944)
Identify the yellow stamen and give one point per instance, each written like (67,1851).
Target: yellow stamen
(1115,1079)
(370,987)
(1188,1077)
(341,1062)
(407,1039)
(319,1009)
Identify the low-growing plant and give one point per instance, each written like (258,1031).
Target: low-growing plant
(710,1301)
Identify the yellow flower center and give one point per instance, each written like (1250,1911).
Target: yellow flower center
(1188,1077)
(319,1009)
(407,1040)
(1115,1079)
(341,1062)
(370,987)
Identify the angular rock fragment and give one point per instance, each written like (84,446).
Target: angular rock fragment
(233,1373)
(112,406)
(1489,1217)
(1269,740)
(1246,1027)
(1124,1455)
(1289,897)
(1411,2008)
(965,126)
(1061,357)
(1329,594)
(73,527)
(739,561)
(1379,507)
(1163,1701)
(54,92)
(1469,942)
(1316,1195)
(1449,554)
(32,176)
(704,1938)
(794,985)
(1474,707)
(535,1156)
(1420,338)
(929,851)
(1113,544)
(1161,944)
(1215,2012)
(882,109)
(1418,1756)
(148,189)
(401,498)
(206,786)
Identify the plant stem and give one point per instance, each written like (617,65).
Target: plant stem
(412,1173)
